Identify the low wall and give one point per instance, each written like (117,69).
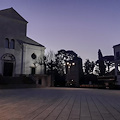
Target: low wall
(43,80)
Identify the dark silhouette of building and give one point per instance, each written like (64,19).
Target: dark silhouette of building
(74,72)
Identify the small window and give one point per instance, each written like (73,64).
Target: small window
(6,43)
(12,44)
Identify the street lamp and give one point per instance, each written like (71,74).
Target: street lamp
(68,65)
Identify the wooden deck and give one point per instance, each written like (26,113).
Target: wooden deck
(59,104)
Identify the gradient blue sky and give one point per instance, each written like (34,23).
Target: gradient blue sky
(83,26)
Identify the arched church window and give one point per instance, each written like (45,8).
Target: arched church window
(12,44)
(6,43)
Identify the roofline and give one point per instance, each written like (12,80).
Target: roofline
(33,44)
(20,15)
(116,45)
(20,41)
(16,12)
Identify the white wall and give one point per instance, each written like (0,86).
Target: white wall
(28,61)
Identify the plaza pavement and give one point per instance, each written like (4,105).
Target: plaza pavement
(59,104)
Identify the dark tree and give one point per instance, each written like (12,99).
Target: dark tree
(109,62)
(104,63)
(89,66)
(50,62)
(101,64)
(62,57)
(50,65)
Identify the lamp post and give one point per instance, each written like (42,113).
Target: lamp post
(68,66)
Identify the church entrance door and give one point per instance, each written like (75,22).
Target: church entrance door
(8,61)
(8,69)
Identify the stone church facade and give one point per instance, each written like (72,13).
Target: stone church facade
(19,54)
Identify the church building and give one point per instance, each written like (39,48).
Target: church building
(19,54)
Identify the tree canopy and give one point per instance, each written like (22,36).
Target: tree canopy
(104,63)
(89,66)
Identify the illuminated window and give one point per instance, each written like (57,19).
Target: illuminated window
(12,44)
(6,43)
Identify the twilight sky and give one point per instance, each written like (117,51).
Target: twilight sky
(83,26)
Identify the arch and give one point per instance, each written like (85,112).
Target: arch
(8,57)
(8,62)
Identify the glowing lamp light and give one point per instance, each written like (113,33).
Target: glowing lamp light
(73,63)
(67,63)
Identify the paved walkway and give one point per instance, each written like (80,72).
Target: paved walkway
(59,104)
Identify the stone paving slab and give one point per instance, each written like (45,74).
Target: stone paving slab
(59,104)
